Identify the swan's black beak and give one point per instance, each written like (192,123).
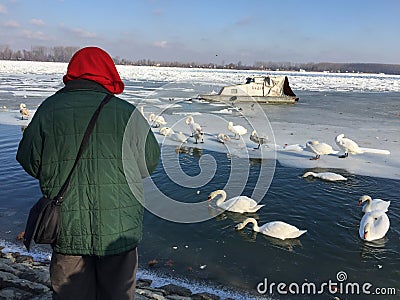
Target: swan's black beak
(359,202)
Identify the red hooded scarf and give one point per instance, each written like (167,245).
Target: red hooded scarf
(94,64)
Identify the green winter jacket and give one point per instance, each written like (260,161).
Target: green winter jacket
(102,210)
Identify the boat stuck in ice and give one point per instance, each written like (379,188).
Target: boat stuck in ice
(260,89)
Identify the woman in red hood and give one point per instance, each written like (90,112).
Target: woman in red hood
(95,255)
(94,64)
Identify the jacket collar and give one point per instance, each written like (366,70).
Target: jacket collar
(82,84)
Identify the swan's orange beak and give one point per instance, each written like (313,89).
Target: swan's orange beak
(209,198)
(359,202)
(365,234)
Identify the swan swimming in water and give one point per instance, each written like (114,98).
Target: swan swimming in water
(239,204)
(329,176)
(373,204)
(374,225)
(320,149)
(258,140)
(276,229)
(238,130)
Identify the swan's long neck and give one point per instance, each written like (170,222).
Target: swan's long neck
(310,174)
(222,198)
(252,221)
(255,224)
(369,202)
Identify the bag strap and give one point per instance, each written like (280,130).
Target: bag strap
(59,198)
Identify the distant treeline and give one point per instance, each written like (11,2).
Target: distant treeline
(64,54)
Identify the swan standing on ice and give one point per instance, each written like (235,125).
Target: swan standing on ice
(223,138)
(276,229)
(347,145)
(198,136)
(23,111)
(373,204)
(320,149)
(179,137)
(238,130)
(157,120)
(374,225)
(329,176)
(166,131)
(194,127)
(258,140)
(239,204)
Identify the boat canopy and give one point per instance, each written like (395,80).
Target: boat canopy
(261,86)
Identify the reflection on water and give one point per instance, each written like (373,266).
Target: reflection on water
(192,151)
(374,249)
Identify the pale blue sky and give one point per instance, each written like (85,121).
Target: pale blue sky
(211,31)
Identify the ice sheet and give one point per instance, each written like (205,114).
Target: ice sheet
(293,124)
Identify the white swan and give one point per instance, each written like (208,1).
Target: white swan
(329,176)
(373,204)
(166,131)
(198,135)
(195,127)
(23,111)
(239,204)
(320,149)
(347,145)
(157,120)
(293,147)
(238,130)
(258,140)
(179,137)
(223,138)
(276,229)
(374,225)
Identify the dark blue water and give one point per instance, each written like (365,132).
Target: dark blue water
(214,253)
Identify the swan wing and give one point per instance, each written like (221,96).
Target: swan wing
(349,145)
(240,204)
(281,230)
(330,176)
(239,129)
(324,148)
(380,227)
(379,204)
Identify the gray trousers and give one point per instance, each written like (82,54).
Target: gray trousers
(93,277)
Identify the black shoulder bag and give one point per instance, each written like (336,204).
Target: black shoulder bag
(43,224)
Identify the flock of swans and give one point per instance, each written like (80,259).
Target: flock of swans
(345,144)
(373,226)
(374,223)
(244,204)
